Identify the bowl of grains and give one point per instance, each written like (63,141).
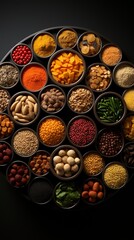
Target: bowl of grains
(9,75)
(98,77)
(66,162)
(67,37)
(66,67)
(52,99)
(115,175)
(80,99)
(4,99)
(25,142)
(6,126)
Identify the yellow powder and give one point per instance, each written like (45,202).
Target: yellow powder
(44,45)
(129,99)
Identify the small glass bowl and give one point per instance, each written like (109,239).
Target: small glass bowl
(51,131)
(6,153)
(110,108)
(40,163)
(110,54)
(67,37)
(98,77)
(43,44)
(33,77)
(6,126)
(93,191)
(123,74)
(66,67)
(9,75)
(81,131)
(18,174)
(115,175)
(23,108)
(80,99)
(66,162)
(52,99)
(89,44)
(21,54)
(4,99)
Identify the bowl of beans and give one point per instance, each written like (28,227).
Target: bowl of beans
(6,153)
(66,67)
(21,54)
(52,99)
(81,131)
(6,126)
(66,162)
(80,99)
(9,75)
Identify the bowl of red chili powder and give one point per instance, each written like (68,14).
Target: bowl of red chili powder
(33,77)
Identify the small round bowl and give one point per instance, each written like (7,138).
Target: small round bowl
(115,175)
(81,131)
(66,195)
(110,108)
(4,99)
(66,67)
(89,44)
(25,142)
(128,96)
(110,54)
(43,44)
(40,163)
(21,54)
(123,74)
(128,127)
(9,75)
(110,142)
(66,162)
(18,174)
(98,77)
(67,37)
(51,131)
(40,190)
(23,108)
(93,191)
(93,163)
(80,99)
(33,77)
(52,99)
(6,126)
(128,155)
(6,153)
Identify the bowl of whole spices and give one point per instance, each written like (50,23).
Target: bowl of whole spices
(80,99)
(115,175)
(25,142)
(9,75)
(4,99)
(52,99)
(21,54)
(51,131)
(128,155)
(110,108)
(6,153)
(81,131)
(67,38)
(40,190)
(66,162)
(128,127)
(18,174)
(6,126)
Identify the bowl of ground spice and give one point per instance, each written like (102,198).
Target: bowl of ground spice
(4,99)
(25,142)
(6,126)
(66,67)
(21,54)
(115,175)
(123,74)
(44,44)
(81,131)
(52,99)
(33,77)
(128,96)
(110,54)
(51,131)
(89,44)
(9,75)
(23,108)
(80,99)
(67,38)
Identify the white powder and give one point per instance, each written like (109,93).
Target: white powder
(124,76)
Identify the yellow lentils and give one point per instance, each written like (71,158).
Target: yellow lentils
(93,164)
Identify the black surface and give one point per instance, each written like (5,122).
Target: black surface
(19,219)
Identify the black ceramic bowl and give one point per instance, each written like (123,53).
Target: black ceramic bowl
(128,96)
(21,54)
(6,126)
(67,37)
(128,155)
(66,67)
(128,127)
(66,162)
(6,153)
(4,99)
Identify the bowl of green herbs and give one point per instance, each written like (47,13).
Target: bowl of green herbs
(110,108)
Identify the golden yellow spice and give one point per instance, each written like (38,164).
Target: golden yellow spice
(129,99)
(44,45)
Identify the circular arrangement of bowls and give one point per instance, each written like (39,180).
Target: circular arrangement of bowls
(66,117)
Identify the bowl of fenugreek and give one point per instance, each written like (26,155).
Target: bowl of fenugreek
(66,67)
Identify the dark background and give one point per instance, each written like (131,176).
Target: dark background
(19,219)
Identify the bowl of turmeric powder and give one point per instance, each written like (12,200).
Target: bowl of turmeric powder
(66,67)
